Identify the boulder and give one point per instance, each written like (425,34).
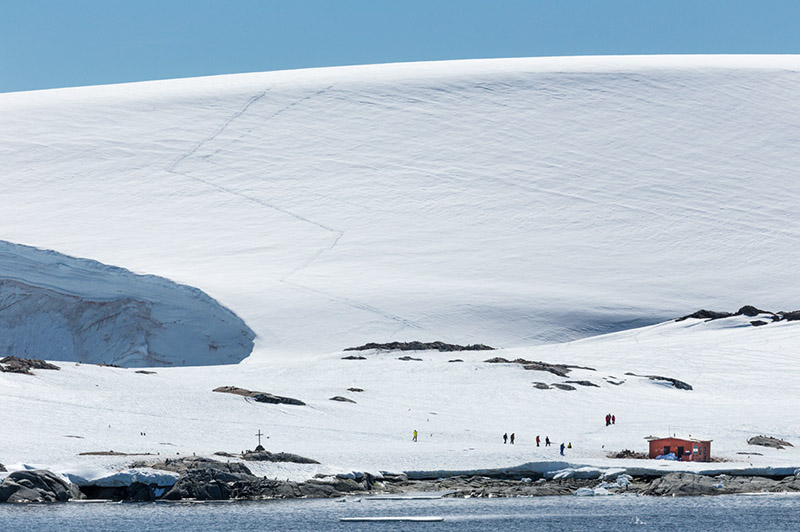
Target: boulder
(266,456)
(768,441)
(2,469)
(38,485)
(684,484)
(207,484)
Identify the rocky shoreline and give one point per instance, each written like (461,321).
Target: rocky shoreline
(207,479)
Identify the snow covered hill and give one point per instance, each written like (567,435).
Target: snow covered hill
(508,202)
(505,202)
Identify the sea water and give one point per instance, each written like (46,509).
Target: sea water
(724,513)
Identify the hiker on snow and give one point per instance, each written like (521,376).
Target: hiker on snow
(562,448)
(505,438)
(512,438)
(547,441)
(415,436)
(537,440)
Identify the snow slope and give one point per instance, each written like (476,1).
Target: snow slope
(745,381)
(508,202)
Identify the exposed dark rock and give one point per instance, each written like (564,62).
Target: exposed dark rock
(790,316)
(747,310)
(456,360)
(355,390)
(38,485)
(206,484)
(136,492)
(111,453)
(704,314)
(674,382)
(566,387)
(210,484)
(627,453)
(24,365)
(145,372)
(421,346)
(354,357)
(266,456)
(689,484)
(583,383)
(683,484)
(613,380)
(407,358)
(181,465)
(261,397)
(768,441)
(758,323)
(750,311)
(341,399)
(2,468)
(557,369)
(541,385)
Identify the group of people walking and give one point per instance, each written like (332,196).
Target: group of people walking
(611,419)
(547,442)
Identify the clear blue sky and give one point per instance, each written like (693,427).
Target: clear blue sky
(51,43)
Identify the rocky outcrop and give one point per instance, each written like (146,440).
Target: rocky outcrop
(354,357)
(182,465)
(212,484)
(2,468)
(355,390)
(690,484)
(260,397)
(207,484)
(24,365)
(421,346)
(562,370)
(408,358)
(768,441)
(38,485)
(341,399)
(680,385)
(748,310)
(266,456)
(565,387)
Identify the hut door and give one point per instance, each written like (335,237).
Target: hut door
(680,453)
(666,450)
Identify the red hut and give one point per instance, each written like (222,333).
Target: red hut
(688,450)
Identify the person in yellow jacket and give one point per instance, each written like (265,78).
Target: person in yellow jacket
(415,436)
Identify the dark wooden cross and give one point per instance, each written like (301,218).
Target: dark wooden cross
(259,437)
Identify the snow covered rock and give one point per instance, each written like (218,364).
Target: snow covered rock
(38,485)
